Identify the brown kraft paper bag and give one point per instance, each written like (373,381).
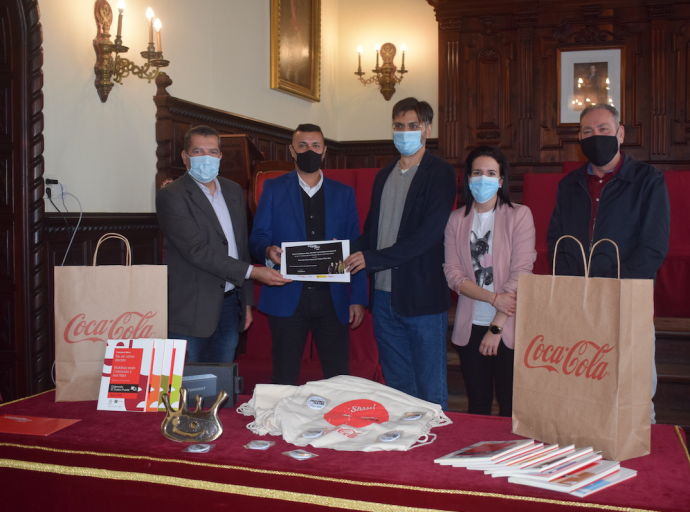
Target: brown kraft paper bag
(583,362)
(95,304)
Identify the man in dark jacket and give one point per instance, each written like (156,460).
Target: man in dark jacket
(611,196)
(402,245)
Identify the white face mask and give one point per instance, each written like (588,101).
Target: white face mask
(203,168)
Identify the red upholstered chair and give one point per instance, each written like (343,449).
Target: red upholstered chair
(571,166)
(539,193)
(671,294)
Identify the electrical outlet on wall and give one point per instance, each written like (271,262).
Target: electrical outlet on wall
(57,189)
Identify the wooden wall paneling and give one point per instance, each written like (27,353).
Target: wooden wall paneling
(525,22)
(449,119)
(24,362)
(659,14)
(654,38)
(680,135)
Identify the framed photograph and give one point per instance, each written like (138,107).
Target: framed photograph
(296,47)
(315,261)
(588,77)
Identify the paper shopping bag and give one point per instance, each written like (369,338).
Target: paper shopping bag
(583,362)
(95,304)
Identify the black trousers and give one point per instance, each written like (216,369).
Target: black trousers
(316,313)
(482,372)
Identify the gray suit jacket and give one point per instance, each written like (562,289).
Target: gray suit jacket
(196,253)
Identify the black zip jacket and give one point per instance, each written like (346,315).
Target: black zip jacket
(634,211)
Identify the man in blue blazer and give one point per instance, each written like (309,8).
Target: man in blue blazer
(297,207)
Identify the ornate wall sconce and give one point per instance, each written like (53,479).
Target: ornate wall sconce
(110,67)
(384,76)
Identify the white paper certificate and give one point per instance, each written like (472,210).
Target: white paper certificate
(315,261)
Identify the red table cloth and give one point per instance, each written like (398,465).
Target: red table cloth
(120,461)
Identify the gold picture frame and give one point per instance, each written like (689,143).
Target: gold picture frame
(296,47)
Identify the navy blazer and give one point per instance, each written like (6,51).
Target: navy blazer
(418,285)
(196,253)
(280,218)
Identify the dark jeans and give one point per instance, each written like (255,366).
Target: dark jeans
(316,313)
(220,346)
(481,372)
(412,351)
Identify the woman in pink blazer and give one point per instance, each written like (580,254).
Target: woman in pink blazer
(488,243)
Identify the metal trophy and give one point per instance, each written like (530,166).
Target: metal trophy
(198,426)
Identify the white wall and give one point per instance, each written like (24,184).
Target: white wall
(104,153)
(364,114)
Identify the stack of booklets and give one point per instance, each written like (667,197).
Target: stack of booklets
(137,372)
(579,472)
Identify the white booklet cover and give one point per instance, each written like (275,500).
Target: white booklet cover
(482,452)
(573,481)
(614,478)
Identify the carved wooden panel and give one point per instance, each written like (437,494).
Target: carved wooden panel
(508,92)
(4,110)
(5,183)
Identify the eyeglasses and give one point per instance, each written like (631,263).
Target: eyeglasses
(413,127)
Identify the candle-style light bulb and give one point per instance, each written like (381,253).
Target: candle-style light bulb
(359,59)
(149,16)
(157,25)
(359,50)
(121,10)
(403,47)
(378,47)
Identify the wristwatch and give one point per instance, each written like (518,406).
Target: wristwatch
(495,329)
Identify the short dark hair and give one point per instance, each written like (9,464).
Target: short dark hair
(504,170)
(309,128)
(602,106)
(204,131)
(424,112)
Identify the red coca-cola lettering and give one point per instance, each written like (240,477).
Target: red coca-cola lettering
(129,325)
(574,359)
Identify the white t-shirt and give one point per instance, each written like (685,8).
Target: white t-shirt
(481,248)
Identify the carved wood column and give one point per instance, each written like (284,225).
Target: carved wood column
(449,118)
(659,14)
(525,22)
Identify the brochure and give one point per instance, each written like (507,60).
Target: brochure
(482,452)
(614,478)
(573,481)
(32,425)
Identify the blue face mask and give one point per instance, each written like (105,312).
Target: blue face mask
(408,143)
(483,188)
(204,168)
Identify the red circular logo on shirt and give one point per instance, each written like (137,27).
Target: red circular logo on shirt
(357,413)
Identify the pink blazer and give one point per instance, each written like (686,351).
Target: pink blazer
(513,253)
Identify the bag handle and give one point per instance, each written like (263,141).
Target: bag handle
(108,236)
(582,249)
(618,255)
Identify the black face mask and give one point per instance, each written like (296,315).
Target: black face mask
(309,161)
(600,149)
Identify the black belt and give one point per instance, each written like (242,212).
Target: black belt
(230,292)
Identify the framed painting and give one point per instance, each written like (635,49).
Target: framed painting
(296,47)
(587,77)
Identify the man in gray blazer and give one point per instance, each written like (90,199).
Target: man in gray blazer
(205,227)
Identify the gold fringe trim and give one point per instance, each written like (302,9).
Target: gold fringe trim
(680,438)
(309,477)
(295,497)
(26,397)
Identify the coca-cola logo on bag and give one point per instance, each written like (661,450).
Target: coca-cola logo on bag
(129,325)
(584,359)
